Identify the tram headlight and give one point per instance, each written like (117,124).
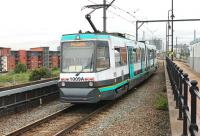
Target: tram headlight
(62,83)
(91,83)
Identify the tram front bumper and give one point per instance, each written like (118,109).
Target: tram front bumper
(79,95)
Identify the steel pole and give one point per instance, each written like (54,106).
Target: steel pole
(136,31)
(168,31)
(172,30)
(166,39)
(104,16)
(176,46)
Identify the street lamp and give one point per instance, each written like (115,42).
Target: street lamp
(170,27)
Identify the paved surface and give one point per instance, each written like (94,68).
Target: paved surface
(176,125)
(192,76)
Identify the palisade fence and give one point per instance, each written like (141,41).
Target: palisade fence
(182,86)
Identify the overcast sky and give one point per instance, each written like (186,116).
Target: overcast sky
(33,23)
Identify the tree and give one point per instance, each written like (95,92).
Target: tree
(37,74)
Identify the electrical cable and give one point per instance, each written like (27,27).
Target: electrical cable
(115,14)
(127,12)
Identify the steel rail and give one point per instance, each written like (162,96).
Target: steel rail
(83,120)
(56,114)
(40,121)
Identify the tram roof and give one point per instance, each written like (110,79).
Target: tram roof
(77,36)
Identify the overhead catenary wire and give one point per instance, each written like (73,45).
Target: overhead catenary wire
(116,14)
(127,12)
(122,17)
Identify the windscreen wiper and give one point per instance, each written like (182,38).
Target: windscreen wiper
(77,74)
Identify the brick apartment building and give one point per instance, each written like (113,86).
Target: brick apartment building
(45,54)
(54,59)
(33,58)
(4,55)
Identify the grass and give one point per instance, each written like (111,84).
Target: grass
(11,78)
(55,72)
(161,103)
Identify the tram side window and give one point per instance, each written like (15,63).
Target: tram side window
(103,61)
(151,54)
(134,56)
(138,55)
(123,55)
(154,53)
(120,56)
(143,54)
(117,57)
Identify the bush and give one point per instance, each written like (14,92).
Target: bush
(37,74)
(20,68)
(55,72)
(44,72)
(161,103)
(55,69)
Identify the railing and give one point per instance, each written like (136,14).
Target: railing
(33,94)
(182,86)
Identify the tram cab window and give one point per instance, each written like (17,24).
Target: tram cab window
(103,61)
(77,56)
(120,56)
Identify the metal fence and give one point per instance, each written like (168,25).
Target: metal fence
(182,87)
(16,99)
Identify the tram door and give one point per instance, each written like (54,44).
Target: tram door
(131,62)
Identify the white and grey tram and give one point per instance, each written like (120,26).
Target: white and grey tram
(102,66)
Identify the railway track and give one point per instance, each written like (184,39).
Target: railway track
(62,122)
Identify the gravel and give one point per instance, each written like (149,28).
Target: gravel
(134,115)
(16,121)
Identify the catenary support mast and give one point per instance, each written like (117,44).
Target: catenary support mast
(104,16)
